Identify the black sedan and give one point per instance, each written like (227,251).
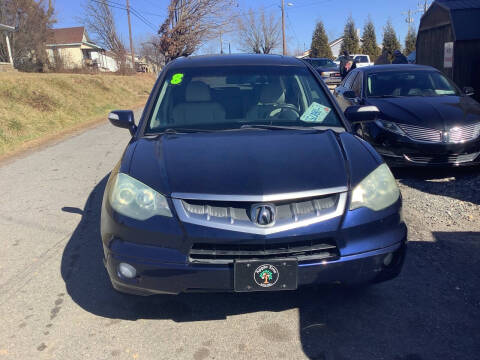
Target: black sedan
(327,69)
(425,119)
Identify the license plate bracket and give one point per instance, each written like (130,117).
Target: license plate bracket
(265,275)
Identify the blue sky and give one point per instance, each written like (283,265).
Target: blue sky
(300,20)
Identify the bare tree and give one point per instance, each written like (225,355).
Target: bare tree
(150,50)
(100,23)
(33,20)
(259,33)
(250,33)
(190,23)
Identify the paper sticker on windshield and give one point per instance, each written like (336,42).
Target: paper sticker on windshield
(176,79)
(315,113)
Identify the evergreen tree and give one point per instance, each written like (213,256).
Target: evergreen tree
(369,41)
(410,40)
(350,38)
(390,40)
(320,47)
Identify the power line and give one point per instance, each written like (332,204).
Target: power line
(134,12)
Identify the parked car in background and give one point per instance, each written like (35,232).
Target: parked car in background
(243,175)
(412,57)
(362,60)
(327,69)
(424,119)
(338,60)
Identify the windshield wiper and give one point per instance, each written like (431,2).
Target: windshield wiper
(278,127)
(385,96)
(183,130)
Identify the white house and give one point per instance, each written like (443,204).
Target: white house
(74,49)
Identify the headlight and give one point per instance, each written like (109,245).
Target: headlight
(389,126)
(134,199)
(377,191)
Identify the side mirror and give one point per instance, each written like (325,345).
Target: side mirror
(349,95)
(469,91)
(123,119)
(356,114)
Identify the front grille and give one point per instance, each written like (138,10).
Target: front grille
(236,215)
(456,134)
(439,160)
(303,251)
(421,133)
(464,133)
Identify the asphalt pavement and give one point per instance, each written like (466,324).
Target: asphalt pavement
(56,301)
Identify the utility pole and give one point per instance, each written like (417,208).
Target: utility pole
(423,7)
(409,19)
(221,43)
(283,29)
(130,34)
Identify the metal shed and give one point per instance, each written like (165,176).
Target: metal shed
(449,40)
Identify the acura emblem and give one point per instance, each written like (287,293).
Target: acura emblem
(263,214)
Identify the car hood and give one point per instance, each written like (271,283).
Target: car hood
(438,112)
(250,162)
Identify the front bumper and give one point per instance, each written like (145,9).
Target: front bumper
(159,251)
(164,278)
(332,80)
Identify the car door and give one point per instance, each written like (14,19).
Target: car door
(345,86)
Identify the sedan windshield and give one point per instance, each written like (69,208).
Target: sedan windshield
(232,97)
(409,83)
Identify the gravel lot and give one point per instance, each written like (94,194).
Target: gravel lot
(56,301)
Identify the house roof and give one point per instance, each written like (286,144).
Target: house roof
(464,16)
(460,4)
(336,41)
(71,35)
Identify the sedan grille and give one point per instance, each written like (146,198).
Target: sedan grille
(422,134)
(456,134)
(303,251)
(464,133)
(442,160)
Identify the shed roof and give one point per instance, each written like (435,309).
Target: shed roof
(464,15)
(71,35)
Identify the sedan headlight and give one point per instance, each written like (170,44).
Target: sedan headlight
(377,191)
(134,199)
(390,126)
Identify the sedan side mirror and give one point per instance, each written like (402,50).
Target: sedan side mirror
(123,119)
(349,95)
(469,91)
(356,114)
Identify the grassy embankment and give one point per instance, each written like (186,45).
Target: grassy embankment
(35,107)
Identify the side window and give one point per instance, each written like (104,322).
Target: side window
(357,85)
(350,79)
(361,59)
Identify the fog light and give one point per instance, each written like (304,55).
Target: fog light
(127,270)
(388,259)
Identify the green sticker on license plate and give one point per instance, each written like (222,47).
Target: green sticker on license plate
(315,113)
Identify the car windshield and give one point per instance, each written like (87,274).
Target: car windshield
(322,63)
(409,83)
(230,97)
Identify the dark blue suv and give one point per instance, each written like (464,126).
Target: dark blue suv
(243,175)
